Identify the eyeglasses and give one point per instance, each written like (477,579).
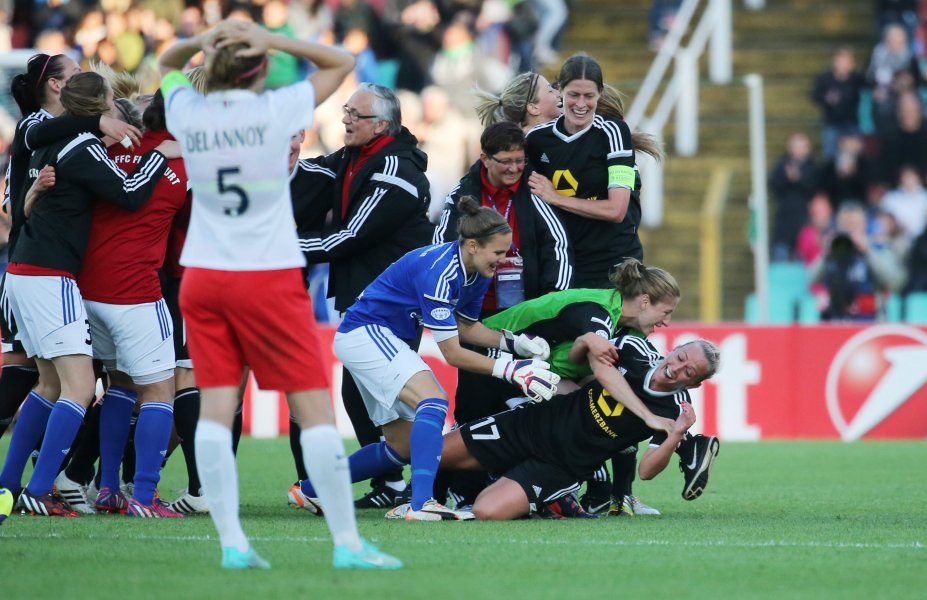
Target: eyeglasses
(529,99)
(355,116)
(509,162)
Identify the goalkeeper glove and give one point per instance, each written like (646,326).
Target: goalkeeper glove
(524,344)
(531,375)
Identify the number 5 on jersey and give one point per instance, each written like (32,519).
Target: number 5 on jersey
(231,188)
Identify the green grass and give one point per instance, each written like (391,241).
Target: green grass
(780,519)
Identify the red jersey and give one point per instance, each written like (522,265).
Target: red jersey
(126,249)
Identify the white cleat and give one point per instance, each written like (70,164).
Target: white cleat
(430,511)
(74,494)
(640,508)
(188,504)
(296,497)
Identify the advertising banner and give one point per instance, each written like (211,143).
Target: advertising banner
(845,382)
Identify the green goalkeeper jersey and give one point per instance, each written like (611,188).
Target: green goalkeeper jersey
(561,317)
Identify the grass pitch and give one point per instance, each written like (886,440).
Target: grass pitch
(779,520)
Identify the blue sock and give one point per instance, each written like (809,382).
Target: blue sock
(152,433)
(63,424)
(115,417)
(426,443)
(368,462)
(33,417)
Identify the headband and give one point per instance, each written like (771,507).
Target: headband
(253,71)
(42,74)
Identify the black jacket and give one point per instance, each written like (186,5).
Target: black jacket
(386,213)
(545,247)
(56,234)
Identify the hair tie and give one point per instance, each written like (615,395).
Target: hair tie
(253,71)
(39,81)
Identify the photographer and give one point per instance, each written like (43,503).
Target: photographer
(855,270)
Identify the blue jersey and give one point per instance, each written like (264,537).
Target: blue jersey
(427,286)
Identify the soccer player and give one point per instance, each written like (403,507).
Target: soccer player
(527,100)
(242,293)
(542,451)
(46,301)
(37,92)
(432,285)
(378,195)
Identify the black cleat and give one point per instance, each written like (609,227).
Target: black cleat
(696,457)
(598,497)
(568,508)
(384,496)
(46,505)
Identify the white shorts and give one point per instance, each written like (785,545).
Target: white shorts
(50,315)
(136,339)
(380,364)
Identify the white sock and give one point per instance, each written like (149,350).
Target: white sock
(219,476)
(327,465)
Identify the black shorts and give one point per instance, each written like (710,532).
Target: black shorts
(170,289)
(7,323)
(543,482)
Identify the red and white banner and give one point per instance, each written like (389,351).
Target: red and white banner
(830,381)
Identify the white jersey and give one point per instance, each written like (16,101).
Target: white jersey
(235,147)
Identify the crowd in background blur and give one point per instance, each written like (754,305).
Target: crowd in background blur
(855,213)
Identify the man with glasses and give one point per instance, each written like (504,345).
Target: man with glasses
(539,261)
(378,195)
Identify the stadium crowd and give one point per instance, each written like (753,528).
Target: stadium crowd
(855,213)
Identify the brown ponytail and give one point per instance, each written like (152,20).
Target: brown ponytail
(479,223)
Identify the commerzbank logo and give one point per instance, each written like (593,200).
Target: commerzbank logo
(564,182)
(877,384)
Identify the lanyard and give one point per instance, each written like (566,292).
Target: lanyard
(505,215)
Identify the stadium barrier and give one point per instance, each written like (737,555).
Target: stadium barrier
(845,382)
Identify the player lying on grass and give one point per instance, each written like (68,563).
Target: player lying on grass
(541,451)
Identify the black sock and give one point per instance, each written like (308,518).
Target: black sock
(128,460)
(86,448)
(296,448)
(623,467)
(186,416)
(236,430)
(15,384)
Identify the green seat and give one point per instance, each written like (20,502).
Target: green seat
(893,306)
(781,310)
(808,313)
(915,305)
(788,280)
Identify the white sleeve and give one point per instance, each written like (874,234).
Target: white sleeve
(294,105)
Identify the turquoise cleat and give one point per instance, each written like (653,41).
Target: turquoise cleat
(368,557)
(233,558)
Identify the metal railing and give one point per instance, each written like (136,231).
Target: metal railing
(710,244)
(681,91)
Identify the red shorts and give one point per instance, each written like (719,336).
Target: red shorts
(262,319)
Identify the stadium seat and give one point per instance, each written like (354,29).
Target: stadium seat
(808,313)
(788,280)
(893,305)
(781,309)
(916,308)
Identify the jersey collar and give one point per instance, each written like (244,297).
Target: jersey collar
(567,137)
(652,391)
(468,279)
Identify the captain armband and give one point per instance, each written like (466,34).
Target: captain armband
(621,176)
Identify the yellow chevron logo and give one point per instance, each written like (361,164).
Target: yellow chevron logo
(569,182)
(606,408)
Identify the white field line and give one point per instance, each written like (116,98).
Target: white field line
(616,543)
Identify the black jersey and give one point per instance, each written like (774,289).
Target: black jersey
(56,234)
(577,431)
(585,165)
(34,131)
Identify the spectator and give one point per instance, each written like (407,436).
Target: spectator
(897,12)
(837,91)
(906,142)
(891,55)
(848,175)
(908,202)
(413,29)
(284,68)
(552,16)
(917,265)
(811,238)
(660,20)
(855,270)
(357,43)
(444,132)
(793,182)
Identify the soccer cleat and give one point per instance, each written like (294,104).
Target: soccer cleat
(368,557)
(189,504)
(297,498)
(383,496)
(233,558)
(156,510)
(430,511)
(73,494)
(696,456)
(111,502)
(640,508)
(567,507)
(46,505)
(127,489)
(598,494)
(621,509)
